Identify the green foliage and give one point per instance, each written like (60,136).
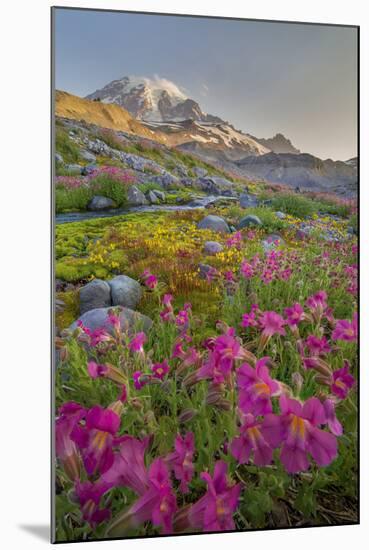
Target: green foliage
(295,205)
(72,199)
(110,187)
(66,147)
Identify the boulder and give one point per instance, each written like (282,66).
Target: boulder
(88,169)
(159,194)
(75,168)
(98,318)
(165,180)
(280,215)
(248,221)
(135,197)
(214,185)
(152,198)
(86,155)
(125,291)
(98,202)
(94,295)
(204,270)
(212,247)
(271,242)
(247,201)
(58,158)
(215,223)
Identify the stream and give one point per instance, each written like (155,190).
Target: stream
(196,203)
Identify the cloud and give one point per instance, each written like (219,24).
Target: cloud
(204,89)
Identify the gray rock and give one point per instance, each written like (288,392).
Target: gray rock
(135,197)
(214,185)
(159,194)
(165,179)
(215,223)
(247,201)
(280,215)
(98,202)
(271,242)
(212,247)
(98,318)
(181,171)
(86,155)
(75,168)
(125,291)
(88,169)
(204,270)
(152,198)
(199,172)
(95,294)
(59,158)
(248,221)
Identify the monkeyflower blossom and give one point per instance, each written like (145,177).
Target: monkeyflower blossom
(346,330)
(214,511)
(334,424)
(297,430)
(183,319)
(267,276)
(317,346)
(167,313)
(249,320)
(140,379)
(342,381)
(149,279)
(160,369)
(235,240)
(271,323)
(229,276)
(66,450)
(156,504)
(181,460)
(285,274)
(96,370)
(137,343)
(95,439)
(317,303)
(247,270)
(128,468)
(256,387)
(295,314)
(114,321)
(89,496)
(251,440)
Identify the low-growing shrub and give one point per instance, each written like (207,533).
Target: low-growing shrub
(72,199)
(295,205)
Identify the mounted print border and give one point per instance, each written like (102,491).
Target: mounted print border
(205,367)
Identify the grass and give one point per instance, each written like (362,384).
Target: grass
(66,147)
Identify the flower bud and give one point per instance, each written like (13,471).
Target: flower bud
(187,415)
(297,381)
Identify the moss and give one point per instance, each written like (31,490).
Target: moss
(71,311)
(77,269)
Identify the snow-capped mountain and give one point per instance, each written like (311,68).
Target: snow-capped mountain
(205,135)
(152,99)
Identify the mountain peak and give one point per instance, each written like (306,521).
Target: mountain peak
(153,99)
(278,144)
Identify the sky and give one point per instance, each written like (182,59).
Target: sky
(263,77)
